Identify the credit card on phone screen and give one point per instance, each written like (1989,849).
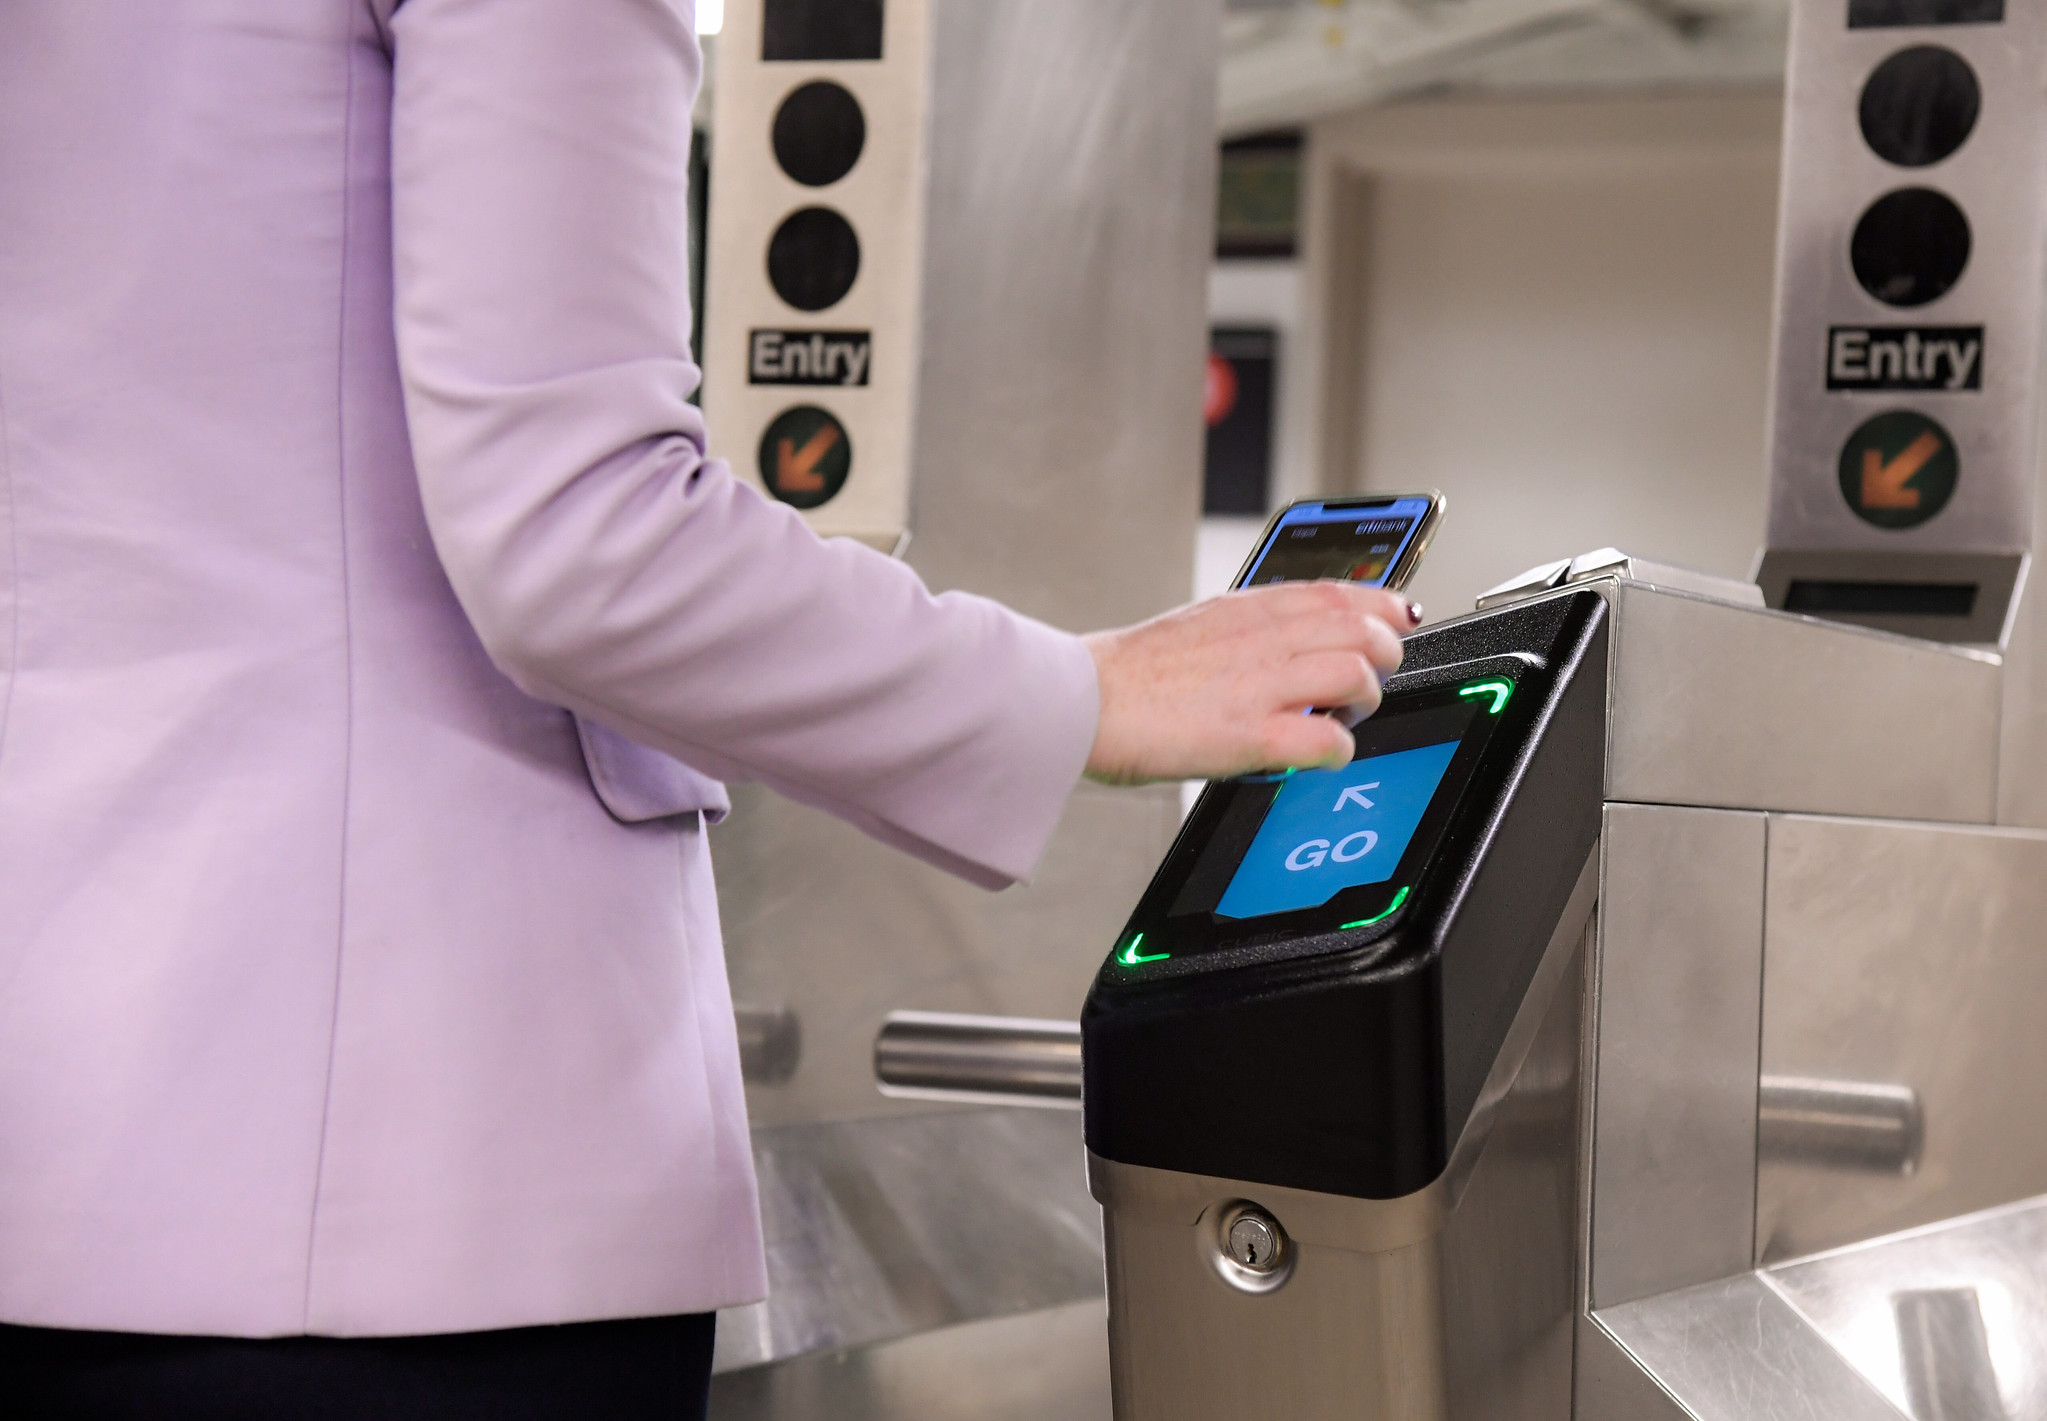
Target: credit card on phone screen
(1375,540)
(1378,540)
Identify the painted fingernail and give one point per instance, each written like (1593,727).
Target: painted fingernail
(1414,613)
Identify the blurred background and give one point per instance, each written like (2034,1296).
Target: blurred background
(1516,250)
(1520,251)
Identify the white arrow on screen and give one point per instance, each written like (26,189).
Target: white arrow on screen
(1355,792)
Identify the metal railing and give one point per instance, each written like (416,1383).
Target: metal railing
(1839,1124)
(1008,1059)
(1026,1061)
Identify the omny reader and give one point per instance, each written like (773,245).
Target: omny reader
(1315,985)
(1293,1031)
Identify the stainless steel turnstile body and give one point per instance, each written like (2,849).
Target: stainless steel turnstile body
(1761,1141)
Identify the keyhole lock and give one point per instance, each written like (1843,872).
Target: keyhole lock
(1248,1249)
(1254,1243)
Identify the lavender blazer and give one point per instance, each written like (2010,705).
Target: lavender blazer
(359,969)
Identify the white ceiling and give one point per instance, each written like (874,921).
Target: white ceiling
(1286,62)
(1289,61)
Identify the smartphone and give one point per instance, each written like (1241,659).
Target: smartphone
(1377,539)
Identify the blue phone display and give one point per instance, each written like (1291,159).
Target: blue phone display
(1334,829)
(1348,541)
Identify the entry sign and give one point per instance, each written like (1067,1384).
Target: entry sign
(1946,358)
(808,357)
(1899,469)
(1329,830)
(805,456)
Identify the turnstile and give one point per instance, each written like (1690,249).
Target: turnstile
(1643,1025)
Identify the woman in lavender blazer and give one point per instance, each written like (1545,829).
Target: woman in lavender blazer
(373,637)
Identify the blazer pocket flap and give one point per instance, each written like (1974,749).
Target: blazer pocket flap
(637,784)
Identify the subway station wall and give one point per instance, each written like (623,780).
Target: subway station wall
(1559,313)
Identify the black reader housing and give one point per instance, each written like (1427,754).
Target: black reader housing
(1241,1030)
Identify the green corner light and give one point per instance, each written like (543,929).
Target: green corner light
(1391,909)
(1498,690)
(1130,956)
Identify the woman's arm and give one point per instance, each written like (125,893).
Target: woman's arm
(539,156)
(540,149)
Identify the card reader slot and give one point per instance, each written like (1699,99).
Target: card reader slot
(1882,599)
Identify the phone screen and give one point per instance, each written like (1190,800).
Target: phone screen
(1349,541)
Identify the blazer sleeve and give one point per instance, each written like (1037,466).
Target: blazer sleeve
(539,163)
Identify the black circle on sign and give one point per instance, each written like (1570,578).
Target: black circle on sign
(813,258)
(805,455)
(819,132)
(1910,246)
(1920,105)
(1898,469)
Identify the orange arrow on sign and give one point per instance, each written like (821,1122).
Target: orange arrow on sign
(1883,485)
(796,469)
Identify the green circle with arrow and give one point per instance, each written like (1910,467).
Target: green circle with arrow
(805,456)
(1898,469)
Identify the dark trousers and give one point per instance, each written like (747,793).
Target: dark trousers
(643,1369)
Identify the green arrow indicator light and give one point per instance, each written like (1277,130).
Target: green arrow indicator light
(1130,956)
(1498,690)
(1391,909)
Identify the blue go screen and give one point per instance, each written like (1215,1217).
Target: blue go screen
(1293,857)
(1334,829)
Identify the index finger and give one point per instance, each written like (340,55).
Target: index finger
(1330,596)
(1329,616)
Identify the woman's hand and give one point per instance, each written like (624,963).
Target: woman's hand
(1218,688)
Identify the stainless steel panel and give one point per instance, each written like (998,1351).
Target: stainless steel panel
(1745,709)
(1997,578)
(1509,1252)
(1562,962)
(1135,1191)
(880,1228)
(1679,984)
(948,1055)
(1057,453)
(1072,210)
(1610,1385)
(1350,1334)
(1051,1365)
(1946,1355)
(2022,753)
(1831,176)
(1543,577)
(1907,955)
(1612,562)
(882,198)
(1879,1305)
(1734,1350)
